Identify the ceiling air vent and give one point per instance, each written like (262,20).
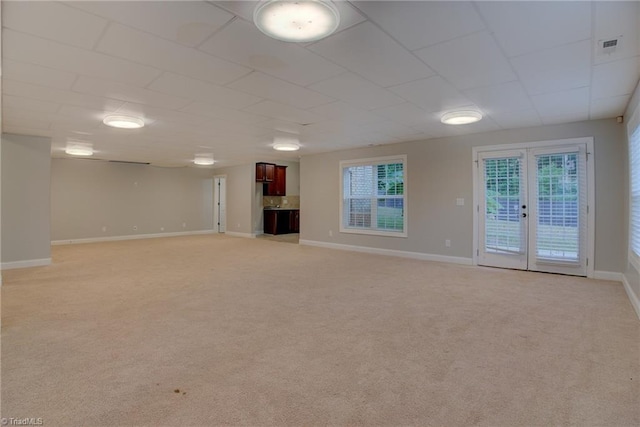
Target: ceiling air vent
(608,46)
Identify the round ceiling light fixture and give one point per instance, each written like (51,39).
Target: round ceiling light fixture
(286,143)
(296,21)
(461,117)
(79,149)
(123,122)
(203,159)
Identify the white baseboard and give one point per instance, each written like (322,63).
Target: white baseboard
(239,234)
(635,300)
(607,275)
(130,237)
(389,252)
(26,263)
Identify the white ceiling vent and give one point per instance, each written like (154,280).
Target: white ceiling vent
(608,46)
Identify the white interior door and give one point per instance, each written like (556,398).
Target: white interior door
(533,209)
(220,204)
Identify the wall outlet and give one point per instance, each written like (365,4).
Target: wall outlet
(447,243)
(184,224)
(104,228)
(285,201)
(135,228)
(161,228)
(330,233)
(238,226)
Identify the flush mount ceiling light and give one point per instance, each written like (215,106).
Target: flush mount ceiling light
(286,143)
(203,159)
(79,149)
(123,122)
(461,117)
(296,21)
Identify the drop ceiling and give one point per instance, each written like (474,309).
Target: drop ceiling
(204,79)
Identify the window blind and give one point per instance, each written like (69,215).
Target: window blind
(634,167)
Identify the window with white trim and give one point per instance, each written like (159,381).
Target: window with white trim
(374,196)
(634,176)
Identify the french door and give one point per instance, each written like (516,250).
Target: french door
(532,209)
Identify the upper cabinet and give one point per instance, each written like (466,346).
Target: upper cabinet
(278,187)
(265,172)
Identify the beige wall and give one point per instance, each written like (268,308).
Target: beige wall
(440,170)
(26,207)
(100,199)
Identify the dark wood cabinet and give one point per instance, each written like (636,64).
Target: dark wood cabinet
(265,172)
(294,221)
(278,187)
(281,221)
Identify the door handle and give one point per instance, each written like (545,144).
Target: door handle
(524,215)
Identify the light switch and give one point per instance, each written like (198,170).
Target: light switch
(460,201)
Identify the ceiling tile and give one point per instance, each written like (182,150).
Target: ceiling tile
(29,73)
(505,97)
(432,94)
(369,52)
(268,87)
(511,119)
(28,104)
(218,112)
(32,123)
(469,62)
(605,108)
(113,90)
(553,70)
(340,110)
(613,20)
(417,24)
(243,43)
(356,91)
(177,85)
(34,50)
(53,20)
(185,22)
(283,112)
(407,114)
(150,113)
(615,78)
(566,106)
(42,93)
(527,26)
(141,47)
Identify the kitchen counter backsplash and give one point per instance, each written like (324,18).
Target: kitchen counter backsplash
(292,202)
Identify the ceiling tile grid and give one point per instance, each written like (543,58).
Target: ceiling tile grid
(204,78)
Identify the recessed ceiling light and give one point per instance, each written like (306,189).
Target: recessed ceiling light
(296,21)
(123,122)
(461,117)
(79,149)
(203,159)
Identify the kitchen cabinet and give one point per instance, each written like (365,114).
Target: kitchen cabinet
(281,221)
(265,172)
(278,187)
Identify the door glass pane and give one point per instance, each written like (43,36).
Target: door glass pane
(557,231)
(503,232)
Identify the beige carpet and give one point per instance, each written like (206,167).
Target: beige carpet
(215,330)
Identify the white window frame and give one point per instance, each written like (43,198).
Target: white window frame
(402,158)
(633,125)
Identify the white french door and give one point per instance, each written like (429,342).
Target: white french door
(532,209)
(220,204)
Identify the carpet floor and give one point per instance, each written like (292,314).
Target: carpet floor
(215,330)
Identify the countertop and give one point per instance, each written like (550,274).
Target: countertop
(272,208)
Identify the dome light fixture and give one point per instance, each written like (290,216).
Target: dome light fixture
(123,122)
(203,159)
(461,117)
(79,149)
(296,21)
